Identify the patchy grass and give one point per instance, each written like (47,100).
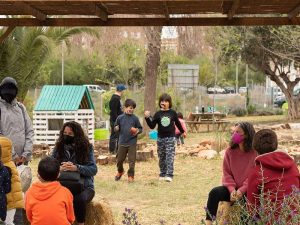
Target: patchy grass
(180,201)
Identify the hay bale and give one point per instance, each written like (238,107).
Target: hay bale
(99,213)
(228,214)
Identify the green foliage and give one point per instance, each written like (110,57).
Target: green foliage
(251,109)
(26,49)
(238,112)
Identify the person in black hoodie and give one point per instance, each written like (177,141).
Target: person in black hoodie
(115,107)
(165,118)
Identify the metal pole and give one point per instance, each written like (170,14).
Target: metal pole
(62,63)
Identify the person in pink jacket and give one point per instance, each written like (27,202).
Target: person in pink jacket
(178,135)
(237,163)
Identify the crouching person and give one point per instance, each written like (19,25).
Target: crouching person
(47,202)
(78,167)
(15,196)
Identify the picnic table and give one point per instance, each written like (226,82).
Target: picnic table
(194,121)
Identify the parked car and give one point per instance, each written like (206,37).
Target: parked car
(243,90)
(229,90)
(216,90)
(95,88)
(280,100)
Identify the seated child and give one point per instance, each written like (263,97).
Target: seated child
(15,196)
(47,202)
(5,187)
(275,172)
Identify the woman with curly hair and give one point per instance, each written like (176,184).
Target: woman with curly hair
(75,153)
(238,161)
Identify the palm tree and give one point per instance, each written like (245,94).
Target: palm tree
(26,49)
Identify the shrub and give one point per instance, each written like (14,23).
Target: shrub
(251,109)
(238,112)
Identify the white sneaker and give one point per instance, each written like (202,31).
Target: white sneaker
(161,178)
(168,179)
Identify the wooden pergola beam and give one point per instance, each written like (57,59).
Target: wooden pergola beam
(30,10)
(101,13)
(6,33)
(233,9)
(294,12)
(167,14)
(207,21)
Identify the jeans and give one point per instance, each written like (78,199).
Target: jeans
(80,201)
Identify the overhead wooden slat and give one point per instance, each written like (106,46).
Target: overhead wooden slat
(233,9)
(6,33)
(111,12)
(294,12)
(100,13)
(28,9)
(235,21)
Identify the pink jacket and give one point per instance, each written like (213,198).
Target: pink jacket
(237,165)
(183,126)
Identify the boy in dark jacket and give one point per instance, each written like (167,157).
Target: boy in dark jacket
(128,126)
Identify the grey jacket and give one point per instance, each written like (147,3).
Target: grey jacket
(16,125)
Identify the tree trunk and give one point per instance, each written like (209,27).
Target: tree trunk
(151,69)
(293,106)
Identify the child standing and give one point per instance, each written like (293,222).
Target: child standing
(275,171)
(237,163)
(48,202)
(128,126)
(165,118)
(5,187)
(179,137)
(15,196)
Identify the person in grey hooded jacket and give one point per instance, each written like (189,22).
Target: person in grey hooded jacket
(15,122)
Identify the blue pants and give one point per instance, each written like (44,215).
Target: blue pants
(166,153)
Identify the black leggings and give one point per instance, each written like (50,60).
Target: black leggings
(215,196)
(80,201)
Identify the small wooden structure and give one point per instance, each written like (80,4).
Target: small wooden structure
(59,104)
(194,121)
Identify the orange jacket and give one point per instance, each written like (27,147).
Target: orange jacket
(48,204)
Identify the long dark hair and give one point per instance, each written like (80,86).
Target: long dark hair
(81,142)
(249,133)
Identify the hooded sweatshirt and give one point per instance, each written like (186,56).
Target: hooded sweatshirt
(278,174)
(48,204)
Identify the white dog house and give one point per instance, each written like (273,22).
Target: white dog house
(59,104)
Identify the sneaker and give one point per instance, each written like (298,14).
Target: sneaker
(118,176)
(169,179)
(130,179)
(161,178)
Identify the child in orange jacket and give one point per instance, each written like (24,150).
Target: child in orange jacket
(47,202)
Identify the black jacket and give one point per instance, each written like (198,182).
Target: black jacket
(115,107)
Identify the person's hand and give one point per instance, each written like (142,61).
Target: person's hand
(68,166)
(20,160)
(117,128)
(239,195)
(184,135)
(233,196)
(134,131)
(147,114)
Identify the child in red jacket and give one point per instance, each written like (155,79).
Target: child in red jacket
(275,174)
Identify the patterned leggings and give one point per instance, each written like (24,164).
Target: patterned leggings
(166,153)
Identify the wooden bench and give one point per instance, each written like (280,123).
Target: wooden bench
(195,121)
(195,126)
